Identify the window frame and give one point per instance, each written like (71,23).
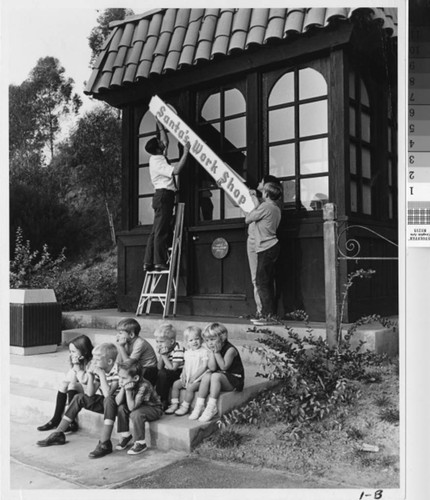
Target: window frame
(269,80)
(356,102)
(201,97)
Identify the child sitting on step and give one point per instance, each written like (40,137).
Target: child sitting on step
(137,401)
(195,365)
(131,346)
(226,372)
(80,355)
(170,360)
(101,388)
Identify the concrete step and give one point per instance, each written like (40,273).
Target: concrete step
(377,338)
(100,335)
(238,328)
(33,388)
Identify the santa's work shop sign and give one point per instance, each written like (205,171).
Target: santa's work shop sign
(225,177)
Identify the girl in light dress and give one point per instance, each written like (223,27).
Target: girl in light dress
(195,366)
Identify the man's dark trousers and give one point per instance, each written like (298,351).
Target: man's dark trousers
(266,278)
(161,234)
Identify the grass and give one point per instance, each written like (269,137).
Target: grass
(329,448)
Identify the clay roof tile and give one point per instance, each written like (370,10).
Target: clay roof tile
(157,65)
(187,56)
(140,31)
(127,35)
(130,73)
(133,56)
(164,40)
(113,46)
(182,18)
(117,77)
(172,61)
(222,33)
(155,25)
(120,57)
(239,30)
(294,21)
(314,17)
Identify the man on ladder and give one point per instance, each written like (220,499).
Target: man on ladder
(163,179)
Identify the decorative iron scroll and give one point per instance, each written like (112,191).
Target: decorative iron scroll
(353,247)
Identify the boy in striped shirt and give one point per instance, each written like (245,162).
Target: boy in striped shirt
(170,360)
(99,396)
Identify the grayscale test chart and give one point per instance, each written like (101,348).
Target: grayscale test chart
(418,188)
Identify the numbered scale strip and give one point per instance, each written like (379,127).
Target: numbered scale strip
(418,222)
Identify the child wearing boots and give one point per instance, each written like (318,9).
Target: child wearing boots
(100,393)
(195,365)
(80,355)
(226,372)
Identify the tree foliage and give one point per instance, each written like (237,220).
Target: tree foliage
(35,109)
(94,154)
(100,32)
(53,97)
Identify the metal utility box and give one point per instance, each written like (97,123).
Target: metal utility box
(35,321)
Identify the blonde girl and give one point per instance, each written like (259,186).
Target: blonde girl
(226,372)
(195,365)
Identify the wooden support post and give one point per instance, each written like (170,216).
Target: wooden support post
(330,273)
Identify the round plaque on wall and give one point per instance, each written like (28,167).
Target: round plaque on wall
(220,248)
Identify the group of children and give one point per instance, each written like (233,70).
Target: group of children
(129,381)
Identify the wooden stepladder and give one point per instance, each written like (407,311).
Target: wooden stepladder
(153,289)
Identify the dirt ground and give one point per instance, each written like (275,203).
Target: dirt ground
(330,449)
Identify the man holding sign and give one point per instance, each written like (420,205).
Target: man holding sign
(162,177)
(225,177)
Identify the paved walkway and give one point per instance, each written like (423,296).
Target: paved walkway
(68,467)
(195,472)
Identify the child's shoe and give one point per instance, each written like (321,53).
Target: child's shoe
(171,409)
(195,414)
(209,413)
(137,448)
(124,443)
(182,410)
(54,438)
(73,427)
(101,449)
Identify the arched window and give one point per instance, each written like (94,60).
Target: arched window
(222,125)
(360,164)
(145,190)
(297,137)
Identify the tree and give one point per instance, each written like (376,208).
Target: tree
(96,148)
(35,109)
(53,97)
(25,140)
(99,33)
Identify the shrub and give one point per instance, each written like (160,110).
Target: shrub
(315,379)
(390,415)
(227,438)
(355,433)
(28,270)
(72,292)
(382,401)
(88,286)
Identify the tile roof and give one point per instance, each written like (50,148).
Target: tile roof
(165,40)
